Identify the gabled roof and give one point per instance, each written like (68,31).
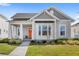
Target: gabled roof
(60,14)
(23,15)
(74,23)
(46,12)
(57,14)
(4,17)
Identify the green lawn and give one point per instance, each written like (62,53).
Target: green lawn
(6,49)
(53,50)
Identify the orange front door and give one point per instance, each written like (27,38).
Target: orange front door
(30,33)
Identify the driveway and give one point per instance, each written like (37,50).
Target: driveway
(20,50)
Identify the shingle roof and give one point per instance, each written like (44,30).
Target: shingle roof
(26,16)
(74,23)
(23,15)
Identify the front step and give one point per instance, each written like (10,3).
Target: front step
(27,40)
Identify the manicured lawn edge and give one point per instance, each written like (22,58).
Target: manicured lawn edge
(6,49)
(53,50)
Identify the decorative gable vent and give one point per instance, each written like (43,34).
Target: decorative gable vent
(51,11)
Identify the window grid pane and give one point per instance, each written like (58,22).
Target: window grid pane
(44,30)
(49,30)
(62,30)
(39,30)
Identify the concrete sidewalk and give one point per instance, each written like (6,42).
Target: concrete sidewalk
(21,50)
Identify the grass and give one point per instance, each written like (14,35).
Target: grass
(6,49)
(53,50)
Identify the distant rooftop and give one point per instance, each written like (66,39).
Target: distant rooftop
(74,23)
(23,15)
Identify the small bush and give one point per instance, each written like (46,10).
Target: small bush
(77,42)
(74,38)
(44,41)
(18,41)
(64,42)
(60,40)
(15,41)
(70,42)
(4,40)
(1,41)
(52,42)
(11,41)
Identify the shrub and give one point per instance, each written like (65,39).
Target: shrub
(74,38)
(18,41)
(70,42)
(77,42)
(11,41)
(4,40)
(53,42)
(32,42)
(15,41)
(64,42)
(1,41)
(44,41)
(60,40)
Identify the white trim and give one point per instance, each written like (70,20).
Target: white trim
(37,15)
(52,15)
(61,12)
(45,11)
(55,30)
(60,27)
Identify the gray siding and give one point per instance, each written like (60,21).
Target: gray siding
(68,28)
(75,31)
(44,16)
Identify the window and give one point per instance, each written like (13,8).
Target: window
(39,30)
(49,30)
(4,30)
(44,30)
(0,31)
(18,32)
(62,30)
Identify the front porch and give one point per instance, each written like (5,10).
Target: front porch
(21,31)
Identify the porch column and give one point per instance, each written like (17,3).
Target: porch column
(21,31)
(10,31)
(55,30)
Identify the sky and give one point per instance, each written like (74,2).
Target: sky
(9,9)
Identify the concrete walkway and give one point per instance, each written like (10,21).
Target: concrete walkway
(21,50)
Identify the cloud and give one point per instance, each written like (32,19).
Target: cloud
(5,4)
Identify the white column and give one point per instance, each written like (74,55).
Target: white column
(55,29)
(10,31)
(16,31)
(21,31)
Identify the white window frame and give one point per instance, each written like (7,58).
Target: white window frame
(60,30)
(0,31)
(41,28)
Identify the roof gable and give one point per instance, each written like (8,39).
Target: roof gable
(23,15)
(50,13)
(45,12)
(60,14)
(44,15)
(3,18)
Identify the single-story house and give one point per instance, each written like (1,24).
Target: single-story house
(4,27)
(75,29)
(48,24)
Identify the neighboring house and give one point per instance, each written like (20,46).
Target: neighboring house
(75,29)
(4,27)
(46,25)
